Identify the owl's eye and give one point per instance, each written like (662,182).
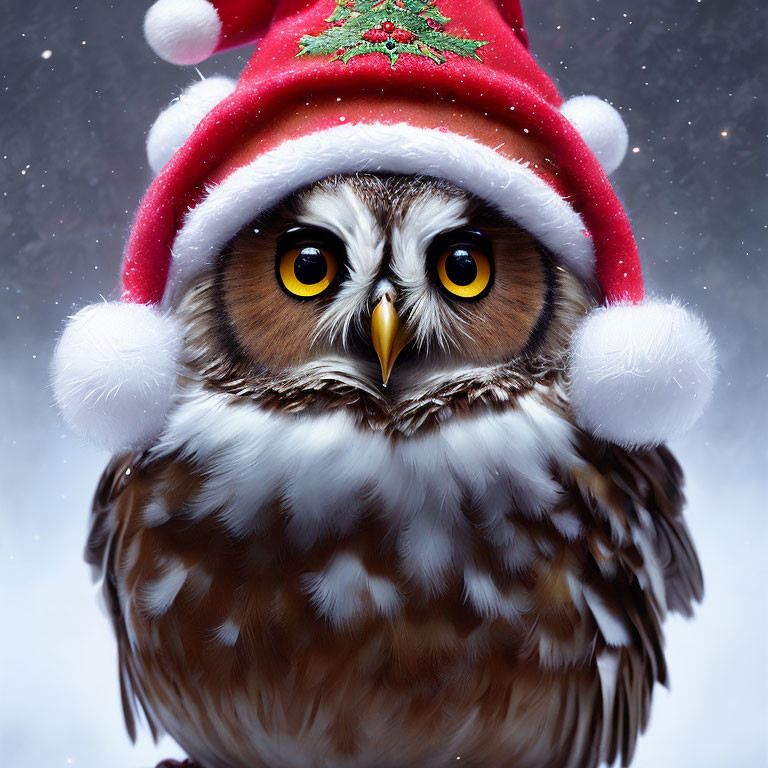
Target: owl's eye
(308,262)
(463,264)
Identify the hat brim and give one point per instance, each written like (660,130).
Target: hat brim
(512,186)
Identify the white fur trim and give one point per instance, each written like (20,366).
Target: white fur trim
(510,185)
(601,127)
(641,374)
(182,31)
(175,124)
(114,370)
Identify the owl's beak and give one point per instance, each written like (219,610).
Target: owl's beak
(387,335)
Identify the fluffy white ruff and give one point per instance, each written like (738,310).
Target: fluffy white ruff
(251,456)
(114,370)
(182,31)
(175,124)
(601,127)
(509,185)
(641,374)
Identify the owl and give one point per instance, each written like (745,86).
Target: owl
(387,404)
(371,533)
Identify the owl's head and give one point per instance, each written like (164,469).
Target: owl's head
(296,227)
(403,298)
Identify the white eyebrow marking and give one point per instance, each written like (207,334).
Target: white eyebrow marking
(431,317)
(344,213)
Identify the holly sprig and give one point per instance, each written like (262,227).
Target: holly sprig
(352,19)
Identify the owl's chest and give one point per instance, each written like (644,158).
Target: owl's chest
(341,648)
(302,582)
(428,544)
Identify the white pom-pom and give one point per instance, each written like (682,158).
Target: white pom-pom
(641,374)
(175,124)
(114,371)
(183,31)
(601,127)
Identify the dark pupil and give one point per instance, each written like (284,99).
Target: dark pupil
(461,267)
(310,266)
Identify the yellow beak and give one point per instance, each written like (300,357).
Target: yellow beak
(387,335)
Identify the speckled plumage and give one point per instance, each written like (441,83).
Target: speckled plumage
(310,570)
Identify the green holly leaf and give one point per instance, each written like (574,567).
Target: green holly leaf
(327,43)
(363,6)
(428,10)
(367,47)
(340,13)
(425,50)
(459,45)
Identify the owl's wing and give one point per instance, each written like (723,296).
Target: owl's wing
(657,570)
(101,552)
(654,482)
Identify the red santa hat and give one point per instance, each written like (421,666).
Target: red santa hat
(444,88)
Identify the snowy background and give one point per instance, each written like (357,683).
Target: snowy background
(79,89)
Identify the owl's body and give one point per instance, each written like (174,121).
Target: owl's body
(309,568)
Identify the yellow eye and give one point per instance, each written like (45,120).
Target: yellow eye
(307,270)
(465,271)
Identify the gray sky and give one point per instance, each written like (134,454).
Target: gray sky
(79,90)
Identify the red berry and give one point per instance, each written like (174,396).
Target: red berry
(403,36)
(375,36)
(432,24)
(387,26)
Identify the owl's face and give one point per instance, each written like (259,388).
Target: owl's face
(386,293)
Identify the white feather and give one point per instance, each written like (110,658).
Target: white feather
(338,591)
(155,513)
(385,596)
(651,576)
(426,550)
(519,552)
(157,595)
(199,581)
(481,593)
(130,556)
(608,666)
(227,633)
(613,627)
